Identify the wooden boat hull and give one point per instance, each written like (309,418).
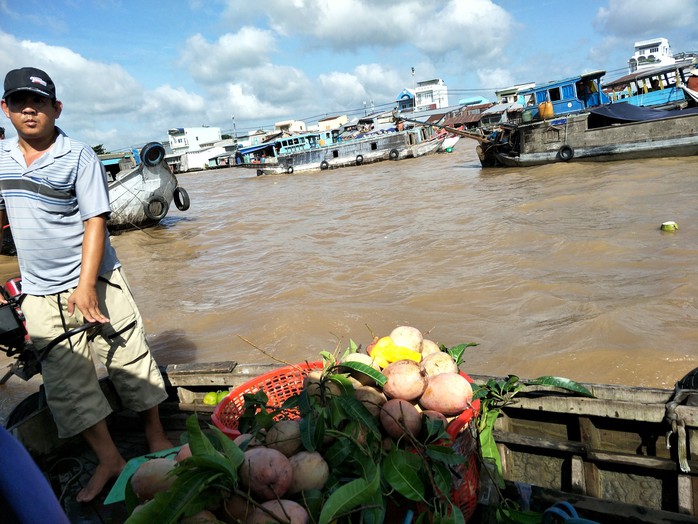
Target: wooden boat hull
(573,139)
(606,455)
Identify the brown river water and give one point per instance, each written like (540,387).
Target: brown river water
(556,270)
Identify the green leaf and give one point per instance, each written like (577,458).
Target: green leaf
(350,496)
(198,442)
(456,352)
(357,412)
(444,454)
(376,375)
(514,516)
(403,471)
(560,382)
(345,385)
(312,431)
(231,450)
(488,446)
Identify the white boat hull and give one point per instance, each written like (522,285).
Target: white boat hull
(142,196)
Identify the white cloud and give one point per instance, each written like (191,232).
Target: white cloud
(215,62)
(645,18)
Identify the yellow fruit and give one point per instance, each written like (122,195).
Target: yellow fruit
(395,353)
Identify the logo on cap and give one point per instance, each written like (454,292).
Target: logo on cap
(37,80)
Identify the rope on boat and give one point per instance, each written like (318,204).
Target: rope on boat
(69,482)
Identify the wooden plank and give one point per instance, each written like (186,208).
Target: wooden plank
(593,407)
(589,437)
(539,443)
(608,511)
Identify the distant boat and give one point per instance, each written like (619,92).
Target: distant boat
(618,131)
(329,149)
(141,195)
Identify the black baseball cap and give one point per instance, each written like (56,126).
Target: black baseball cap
(29,79)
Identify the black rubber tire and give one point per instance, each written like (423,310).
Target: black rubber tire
(289,170)
(359,160)
(27,407)
(181,198)
(161,208)
(152,154)
(565,153)
(324,165)
(394,154)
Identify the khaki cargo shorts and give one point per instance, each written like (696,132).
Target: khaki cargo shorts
(73,392)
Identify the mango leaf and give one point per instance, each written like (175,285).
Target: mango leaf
(312,433)
(442,478)
(231,450)
(350,496)
(560,382)
(514,516)
(168,506)
(198,442)
(456,352)
(375,510)
(338,452)
(454,516)
(357,412)
(488,446)
(345,385)
(444,454)
(376,375)
(403,471)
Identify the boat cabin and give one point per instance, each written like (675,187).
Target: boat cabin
(570,95)
(304,142)
(655,87)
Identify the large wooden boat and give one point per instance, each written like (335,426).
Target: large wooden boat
(607,455)
(618,131)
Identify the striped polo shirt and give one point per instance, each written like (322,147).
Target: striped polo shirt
(46,204)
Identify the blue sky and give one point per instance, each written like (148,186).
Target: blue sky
(128,71)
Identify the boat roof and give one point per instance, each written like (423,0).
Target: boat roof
(625,112)
(252,149)
(646,73)
(584,76)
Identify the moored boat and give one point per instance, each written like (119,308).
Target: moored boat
(141,195)
(618,131)
(331,150)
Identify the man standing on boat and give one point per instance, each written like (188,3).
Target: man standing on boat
(53,190)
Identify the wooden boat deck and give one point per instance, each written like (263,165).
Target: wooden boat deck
(606,455)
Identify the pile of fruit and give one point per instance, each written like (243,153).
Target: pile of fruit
(364,440)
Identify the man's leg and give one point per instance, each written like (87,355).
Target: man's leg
(154,432)
(110,460)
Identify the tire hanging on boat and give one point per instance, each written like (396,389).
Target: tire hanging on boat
(152,154)
(156,208)
(324,165)
(181,198)
(394,154)
(359,160)
(565,153)
(289,170)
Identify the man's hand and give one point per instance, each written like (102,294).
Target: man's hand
(85,299)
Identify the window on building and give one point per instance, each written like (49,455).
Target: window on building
(654,50)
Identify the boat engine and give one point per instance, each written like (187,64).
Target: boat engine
(14,340)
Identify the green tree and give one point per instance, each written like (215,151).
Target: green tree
(100,149)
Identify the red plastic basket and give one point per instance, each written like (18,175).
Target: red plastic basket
(279,384)
(282,383)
